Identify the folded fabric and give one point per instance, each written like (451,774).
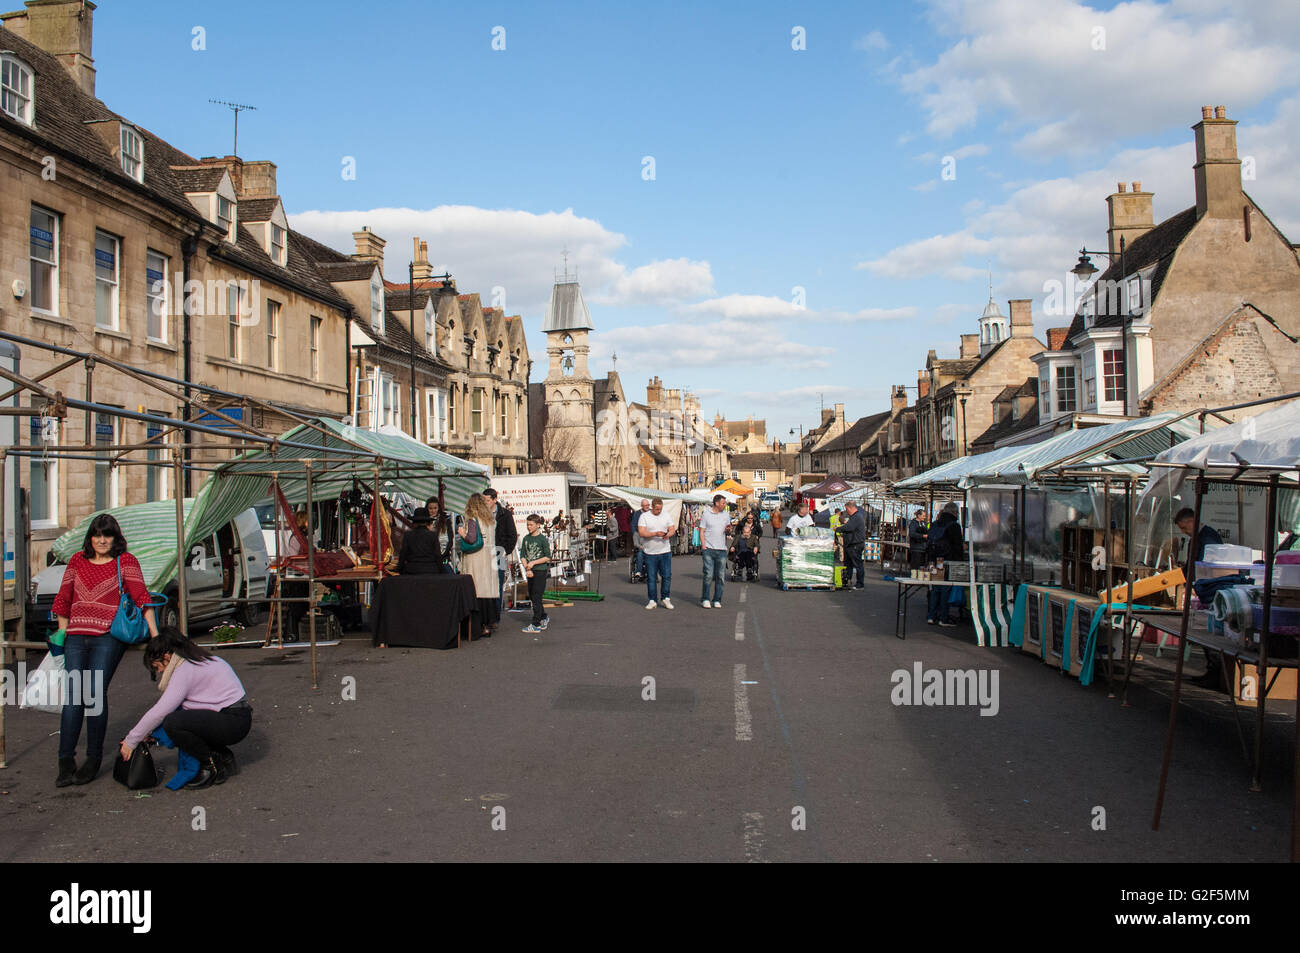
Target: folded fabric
(1206,588)
(187,766)
(1233,608)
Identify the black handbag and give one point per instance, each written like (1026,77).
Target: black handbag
(138,773)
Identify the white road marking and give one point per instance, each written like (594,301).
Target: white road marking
(744,590)
(754,838)
(740,627)
(744,725)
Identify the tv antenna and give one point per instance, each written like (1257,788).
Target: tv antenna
(236,107)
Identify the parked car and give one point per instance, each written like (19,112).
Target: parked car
(770,500)
(227,565)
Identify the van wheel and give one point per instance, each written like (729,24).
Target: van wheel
(169,615)
(252,613)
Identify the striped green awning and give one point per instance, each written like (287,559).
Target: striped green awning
(150,531)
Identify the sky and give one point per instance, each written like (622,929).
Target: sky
(776,206)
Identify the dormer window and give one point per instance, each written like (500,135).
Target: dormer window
(1133,295)
(226,217)
(277,244)
(132,152)
(376,301)
(15,89)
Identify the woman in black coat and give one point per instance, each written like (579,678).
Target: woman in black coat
(421,552)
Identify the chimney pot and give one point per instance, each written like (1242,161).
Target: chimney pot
(1137,186)
(1207,112)
(1220,112)
(1119,187)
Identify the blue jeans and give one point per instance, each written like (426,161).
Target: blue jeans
(941,598)
(638,560)
(715,572)
(96,658)
(660,565)
(501,591)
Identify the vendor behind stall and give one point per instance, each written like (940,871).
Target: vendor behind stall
(1185,520)
(421,552)
(917,533)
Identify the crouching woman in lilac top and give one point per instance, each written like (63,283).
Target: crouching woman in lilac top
(202,709)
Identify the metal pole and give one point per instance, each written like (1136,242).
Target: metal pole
(182,560)
(1128,597)
(311,577)
(411,302)
(1106,617)
(1261,665)
(1182,654)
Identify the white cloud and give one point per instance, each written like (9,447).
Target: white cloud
(1036,63)
(660,282)
(724,343)
(941,254)
(929,185)
(751,307)
(875,40)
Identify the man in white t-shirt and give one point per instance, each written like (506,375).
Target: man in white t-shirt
(800,521)
(656,531)
(715,524)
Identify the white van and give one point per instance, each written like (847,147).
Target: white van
(229,564)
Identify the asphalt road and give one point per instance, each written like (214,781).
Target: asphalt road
(771,736)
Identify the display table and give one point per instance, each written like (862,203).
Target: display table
(908,588)
(423,611)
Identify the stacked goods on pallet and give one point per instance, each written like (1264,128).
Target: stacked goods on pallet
(807,560)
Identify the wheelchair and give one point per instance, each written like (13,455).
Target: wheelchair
(738,565)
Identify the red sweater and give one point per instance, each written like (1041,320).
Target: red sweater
(89,596)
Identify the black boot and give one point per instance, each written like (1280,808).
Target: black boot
(225,759)
(67,772)
(87,772)
(209,774)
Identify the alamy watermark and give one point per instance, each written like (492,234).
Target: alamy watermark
(952,687)
(45,688)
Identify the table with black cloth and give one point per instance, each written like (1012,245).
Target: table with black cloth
(424,611)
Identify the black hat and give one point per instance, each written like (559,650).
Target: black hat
(421,515)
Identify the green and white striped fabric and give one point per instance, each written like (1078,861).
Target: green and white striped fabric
(345,454)
(150,531)
(991,610)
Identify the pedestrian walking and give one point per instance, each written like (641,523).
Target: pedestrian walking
(853,530)
(657,532)
(638,553)
(715,525)
(535,557)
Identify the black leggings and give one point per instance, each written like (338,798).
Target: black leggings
(199,732)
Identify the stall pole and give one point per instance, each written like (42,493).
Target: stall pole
(311,577)
(1270,547)
(276,615)
(1182,654)
(182,557)
(1110,582)
(1128,600)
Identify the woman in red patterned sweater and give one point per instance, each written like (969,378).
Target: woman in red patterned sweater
(85,607)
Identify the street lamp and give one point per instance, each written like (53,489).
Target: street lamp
(445,279)
(1084,269)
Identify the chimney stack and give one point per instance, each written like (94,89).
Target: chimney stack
(1130,216)
(1217,170)
(422,270)
(1022,318)
(234,165)
(258,180)
(970,346)
(898,398)
(370,247)
(62,28)
(922,384)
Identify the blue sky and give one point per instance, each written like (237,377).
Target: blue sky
(774,168)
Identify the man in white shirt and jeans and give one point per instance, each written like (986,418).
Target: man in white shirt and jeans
(656,531)
(715,524)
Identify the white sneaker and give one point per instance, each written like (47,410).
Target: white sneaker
(650,604)
(667,603)
(717,605)
(706,604)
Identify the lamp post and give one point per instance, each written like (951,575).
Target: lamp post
(445,278)
(1085,269)
(963,424)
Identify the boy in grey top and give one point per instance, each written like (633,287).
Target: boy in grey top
(715,524)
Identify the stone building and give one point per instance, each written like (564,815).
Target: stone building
(764,470)
(579,423)
(1203,308)
(742,436)
(122,246)
(891,454)
(957,395)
